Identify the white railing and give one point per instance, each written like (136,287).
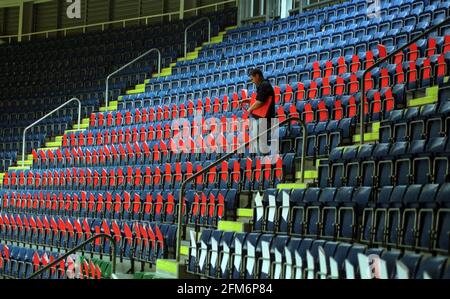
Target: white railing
(190,26)
(127,65)
(44,117)
(103,25)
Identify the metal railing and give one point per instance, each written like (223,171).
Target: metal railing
(124,22)
(73,250)
(44,117)
(226,157)
(190,26)
(362,103)
(127,65)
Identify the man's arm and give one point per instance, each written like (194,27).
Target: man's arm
(255,106)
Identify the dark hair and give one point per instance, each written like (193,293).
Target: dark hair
(254,72)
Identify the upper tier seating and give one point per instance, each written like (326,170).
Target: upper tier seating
(123,174)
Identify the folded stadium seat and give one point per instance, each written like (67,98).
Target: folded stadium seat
(271,210)
(210,269)
(441,241)
(312,257)
(258,254)
(352,167)
(432,267)
(439,164)
(315,209)
(238,255)
(373,223)
(324,167)
(446,272)
(296,257)
(392,217)
(384,169)
(219,253)
(361,172)
(299,222)
(391,257)
(412,262)
(272,262)
(409,227)
(350,268)
(310,142)
(199,252)
(329,214)
(402,169)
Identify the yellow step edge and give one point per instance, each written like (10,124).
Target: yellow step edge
(104,109)
(47,148)
(232,226)
(368,137)
(73,130)
(59,138)
(248,213)
(184,250)
(309,174)
(135,91)
(85,121)
(19,167)
(53,144)
(432,91)
(422,101)
(292,186)
(230,28)
(376,126)
(81,127)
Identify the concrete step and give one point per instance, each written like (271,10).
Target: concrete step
(431,97)
(53,144)
(81,127)
(244,213)
(309,174)
(170,269)
(368,137)
(73,130)
(371,136)
(135,91)
(292,186)
(233,226)
(19,167)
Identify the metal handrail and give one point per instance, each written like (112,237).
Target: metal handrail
(363,81)
(124,21)
(127,65)
(44,117)
(73,250)
(190,26)
(226,157)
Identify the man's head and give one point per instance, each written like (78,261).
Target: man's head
(256,76)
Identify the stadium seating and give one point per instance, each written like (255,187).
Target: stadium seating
(40,75)
(268,256)
(388,197)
